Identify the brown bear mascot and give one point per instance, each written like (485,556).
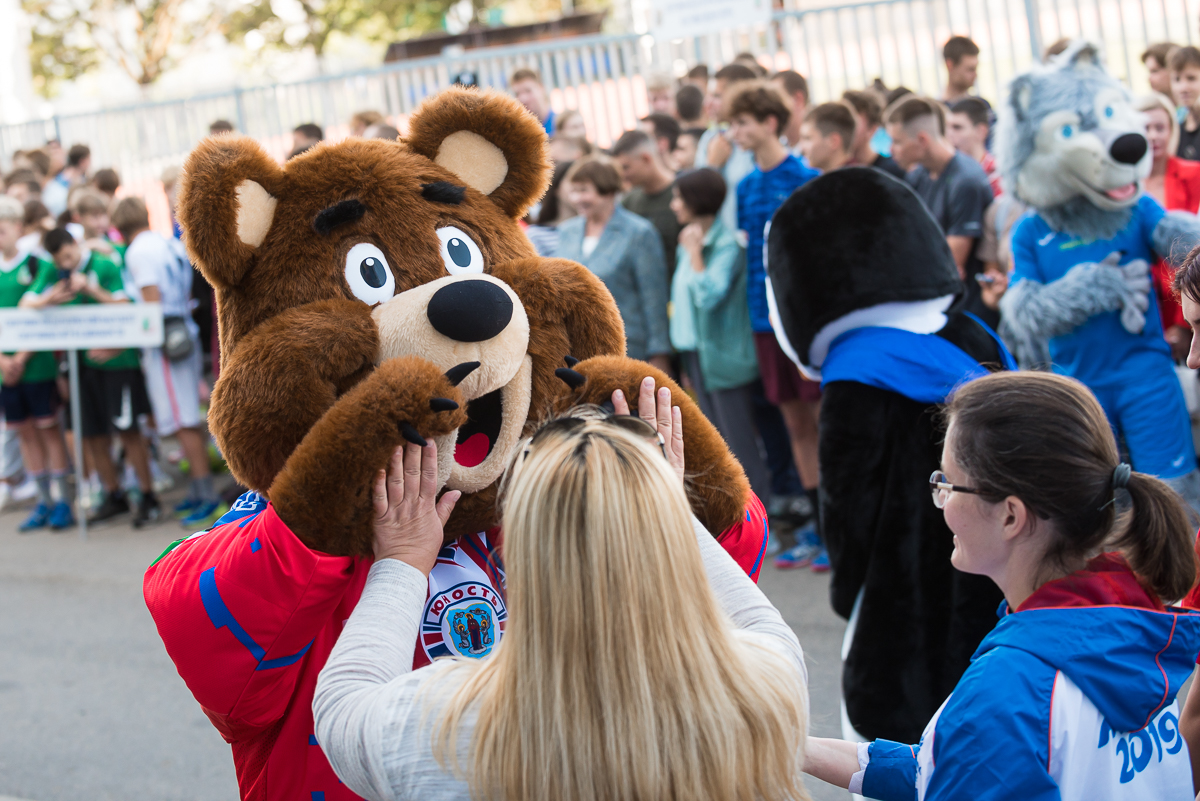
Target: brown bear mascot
(373,292)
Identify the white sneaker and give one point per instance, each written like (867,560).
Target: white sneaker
(162,482)
(25,491)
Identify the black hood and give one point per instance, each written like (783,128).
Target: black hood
(852,239)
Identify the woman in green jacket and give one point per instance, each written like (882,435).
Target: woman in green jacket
(709,285)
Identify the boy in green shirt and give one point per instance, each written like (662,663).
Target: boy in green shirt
(29,394)
(112,387)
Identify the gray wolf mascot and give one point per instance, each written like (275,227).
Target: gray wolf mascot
(1072,147)
(865,296)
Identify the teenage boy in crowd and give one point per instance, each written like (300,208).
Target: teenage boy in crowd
(1155,60)
(967,130)
(526,86)
(305,137)
(827,136)
(162,273)
(660,95)
(867,105)
(716,148)
(689,106)
(54,193)
(112,390)
(794,87)
(952,184)
(642,167)
(90,212)
(665,129)
(1184,63)
(686,146)
(961,56)
(29,394)
(758,113)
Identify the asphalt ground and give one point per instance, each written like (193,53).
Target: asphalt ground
(92,708)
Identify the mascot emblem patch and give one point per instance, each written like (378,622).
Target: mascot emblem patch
(463,620)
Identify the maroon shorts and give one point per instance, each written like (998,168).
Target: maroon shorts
(782,382)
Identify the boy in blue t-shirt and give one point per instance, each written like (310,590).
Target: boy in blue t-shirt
(758,113)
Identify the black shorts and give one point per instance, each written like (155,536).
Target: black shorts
(111,400)
(38,400)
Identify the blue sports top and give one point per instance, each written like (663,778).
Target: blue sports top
(1100,352)
(759,195)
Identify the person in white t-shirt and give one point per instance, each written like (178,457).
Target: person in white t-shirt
(162,272)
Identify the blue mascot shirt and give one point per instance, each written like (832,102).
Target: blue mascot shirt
(1100,353)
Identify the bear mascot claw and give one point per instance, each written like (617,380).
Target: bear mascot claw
(1072,148)
(866,298)
(371,292)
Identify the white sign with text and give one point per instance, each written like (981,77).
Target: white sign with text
(95,325)
(678,19)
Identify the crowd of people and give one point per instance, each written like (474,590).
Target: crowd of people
(67,237)
(674,218)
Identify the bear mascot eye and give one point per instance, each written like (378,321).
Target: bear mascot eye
(368,274)
(460,254)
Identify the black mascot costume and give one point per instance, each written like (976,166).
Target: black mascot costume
(865,295)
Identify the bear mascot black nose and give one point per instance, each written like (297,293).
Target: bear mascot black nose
(1129,148)
(470,311)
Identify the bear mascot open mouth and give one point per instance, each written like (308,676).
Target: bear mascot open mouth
(371,291)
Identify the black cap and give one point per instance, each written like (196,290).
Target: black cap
(850,239)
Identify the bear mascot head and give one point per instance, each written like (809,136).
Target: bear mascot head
(374,291)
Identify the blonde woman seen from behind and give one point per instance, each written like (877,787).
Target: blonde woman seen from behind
(638,660)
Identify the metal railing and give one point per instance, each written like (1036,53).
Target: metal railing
(836,47)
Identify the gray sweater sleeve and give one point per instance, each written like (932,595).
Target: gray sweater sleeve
(375,715)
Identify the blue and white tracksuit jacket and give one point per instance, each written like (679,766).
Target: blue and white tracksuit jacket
(1071,697)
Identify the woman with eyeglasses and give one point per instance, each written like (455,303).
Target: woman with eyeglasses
(638,661)
(1072,695)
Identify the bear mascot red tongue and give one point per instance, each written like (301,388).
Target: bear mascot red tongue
(370,292)
(865,296)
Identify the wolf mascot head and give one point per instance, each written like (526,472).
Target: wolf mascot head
(1071,145)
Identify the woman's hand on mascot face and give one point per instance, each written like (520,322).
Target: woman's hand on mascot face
(408,516)
(656,409)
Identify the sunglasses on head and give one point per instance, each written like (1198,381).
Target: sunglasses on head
(627,422)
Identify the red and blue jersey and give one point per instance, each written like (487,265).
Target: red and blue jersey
(249,616)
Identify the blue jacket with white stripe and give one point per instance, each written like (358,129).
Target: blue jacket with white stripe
(1071,697)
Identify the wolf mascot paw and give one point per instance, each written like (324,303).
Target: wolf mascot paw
(1073,148)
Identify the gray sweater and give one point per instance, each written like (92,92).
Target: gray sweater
(376,716)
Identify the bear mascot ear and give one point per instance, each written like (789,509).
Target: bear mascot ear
(227,201)
(489,141)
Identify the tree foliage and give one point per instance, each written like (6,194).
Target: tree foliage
(148,37)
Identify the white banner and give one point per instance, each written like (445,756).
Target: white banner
(95,325)
(680,19)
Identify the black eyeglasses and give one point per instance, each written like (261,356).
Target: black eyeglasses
(627,422)
(941,488)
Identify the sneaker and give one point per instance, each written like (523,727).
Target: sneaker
(185,507)
(820,563)
(148,511)
(204,515)
(114,504)
(39,519)
(162,481)
(61,516)
(791,510)
(26,491)
(806,549)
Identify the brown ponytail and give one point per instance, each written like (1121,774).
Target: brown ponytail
(1044,438)
(1157,538)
